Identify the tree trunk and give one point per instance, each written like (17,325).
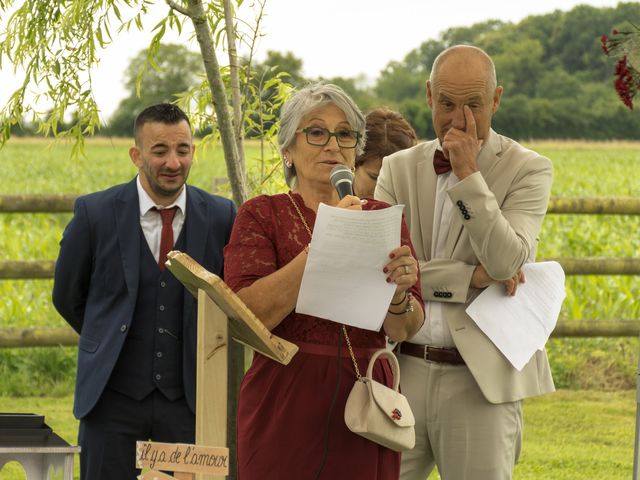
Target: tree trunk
(220,105)
(236,96)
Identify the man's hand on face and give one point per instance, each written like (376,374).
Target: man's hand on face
(462,147)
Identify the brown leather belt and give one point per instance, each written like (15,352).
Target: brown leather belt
(433,354)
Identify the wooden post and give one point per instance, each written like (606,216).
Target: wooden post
(211,389)
(221,315)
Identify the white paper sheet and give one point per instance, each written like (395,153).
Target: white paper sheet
(343,279)
(520,325)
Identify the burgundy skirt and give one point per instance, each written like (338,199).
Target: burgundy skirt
(291,419)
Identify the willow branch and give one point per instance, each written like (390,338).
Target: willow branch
(178,8)
(236,97)
(220,104)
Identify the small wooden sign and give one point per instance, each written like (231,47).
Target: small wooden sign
(182,457)
(154,475)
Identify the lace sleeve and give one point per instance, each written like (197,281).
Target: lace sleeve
(251,253)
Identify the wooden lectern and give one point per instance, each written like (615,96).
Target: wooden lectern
(221,315)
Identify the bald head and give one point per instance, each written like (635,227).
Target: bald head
(465,58)
(463,76)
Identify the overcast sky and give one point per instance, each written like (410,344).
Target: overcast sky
(333,37)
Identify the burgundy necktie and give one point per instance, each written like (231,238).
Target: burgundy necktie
(440,163)
(166,237)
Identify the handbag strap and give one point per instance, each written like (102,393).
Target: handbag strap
(393,361)
(353,357)
(344,329)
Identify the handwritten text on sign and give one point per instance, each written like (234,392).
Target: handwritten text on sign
(181,457)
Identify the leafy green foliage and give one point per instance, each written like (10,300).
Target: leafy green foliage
(56,45)
(277,63)
(173,70)
(557,83)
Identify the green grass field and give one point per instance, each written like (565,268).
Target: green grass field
(580,169)
(568,435)
(573,434)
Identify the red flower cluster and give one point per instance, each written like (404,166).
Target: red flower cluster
(623,45)
(625,84)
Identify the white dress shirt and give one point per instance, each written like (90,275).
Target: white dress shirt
(150,220)
(434,330)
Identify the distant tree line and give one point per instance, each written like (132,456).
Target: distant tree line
(557,82)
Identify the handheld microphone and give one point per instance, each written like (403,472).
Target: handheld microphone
(341,177)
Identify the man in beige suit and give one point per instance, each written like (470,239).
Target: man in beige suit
(474,201)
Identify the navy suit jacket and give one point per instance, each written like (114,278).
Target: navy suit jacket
(97,279)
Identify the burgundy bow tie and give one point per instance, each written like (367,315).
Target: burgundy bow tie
(440,163)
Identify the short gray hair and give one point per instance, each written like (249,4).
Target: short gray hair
(305,101)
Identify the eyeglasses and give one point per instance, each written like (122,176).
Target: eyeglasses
(319,136)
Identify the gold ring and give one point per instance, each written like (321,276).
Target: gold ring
(406,270)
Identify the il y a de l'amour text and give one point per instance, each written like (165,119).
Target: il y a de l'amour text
(181,457)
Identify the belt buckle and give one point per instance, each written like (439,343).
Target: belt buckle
(425,353)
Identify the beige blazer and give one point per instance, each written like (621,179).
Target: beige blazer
(498,214)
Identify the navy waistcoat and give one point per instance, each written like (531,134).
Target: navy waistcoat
(151,356)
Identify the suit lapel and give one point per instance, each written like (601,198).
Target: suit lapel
(195,244)
(425,185)
(487,160)
(196,225)
(127,212)
(490,159)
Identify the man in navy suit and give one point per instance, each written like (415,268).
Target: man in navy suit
(137,324)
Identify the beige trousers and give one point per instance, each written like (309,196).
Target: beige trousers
(457,429)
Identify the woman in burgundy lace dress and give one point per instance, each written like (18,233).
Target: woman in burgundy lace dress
(291,418)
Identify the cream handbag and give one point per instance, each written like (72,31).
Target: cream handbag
(377,412)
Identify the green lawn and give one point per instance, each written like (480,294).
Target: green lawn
(569,435)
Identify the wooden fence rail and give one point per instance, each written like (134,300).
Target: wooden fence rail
(65,336)
(577,205)
(43,269)
(26,269)
(37,203)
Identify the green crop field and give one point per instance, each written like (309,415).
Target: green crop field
(589,434)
